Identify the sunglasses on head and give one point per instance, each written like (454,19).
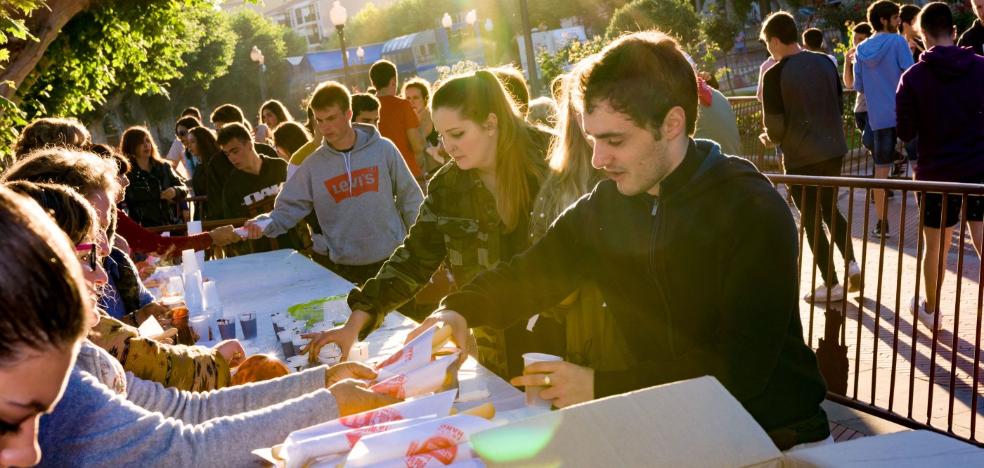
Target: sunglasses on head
(91,248)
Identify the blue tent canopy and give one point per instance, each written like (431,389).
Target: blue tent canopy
(331,60)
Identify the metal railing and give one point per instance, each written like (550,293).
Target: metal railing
(875,353)
(748,111)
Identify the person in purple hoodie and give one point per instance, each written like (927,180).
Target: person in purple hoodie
(940,100)
(880,61)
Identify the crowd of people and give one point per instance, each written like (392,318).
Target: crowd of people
(587,225)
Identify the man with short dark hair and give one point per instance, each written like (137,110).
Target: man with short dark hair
(940,100)
(806,122)
(689,301)
(364,195)
(365,109)
(879,64)
(252,186)
(231,113)
(397,120)
(973,37)
(813,41)
(192,111)
(907,26)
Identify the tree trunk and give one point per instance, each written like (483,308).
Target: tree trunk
(729,10)
(45,24)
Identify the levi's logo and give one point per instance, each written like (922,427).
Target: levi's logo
(363,181)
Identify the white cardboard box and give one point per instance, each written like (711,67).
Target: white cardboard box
(693,423)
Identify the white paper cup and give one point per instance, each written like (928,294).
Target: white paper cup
(533,399)
(359,352)
(201,325)
(330,354)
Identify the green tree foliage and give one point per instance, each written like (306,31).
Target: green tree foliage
(675,17)
(11,116)
(719,30)
(241,85)
(553,65)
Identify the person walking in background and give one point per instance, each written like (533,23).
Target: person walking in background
(397,120)
(155,188)
(272,114)
(879,63)
(365,109)
(806,122)
(861,31)
(973,37)
(417,91)
(940,102)
(289,137)
(813,41)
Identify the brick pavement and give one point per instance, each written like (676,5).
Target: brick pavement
(892,364)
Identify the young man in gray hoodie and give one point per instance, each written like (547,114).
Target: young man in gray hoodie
(358,185)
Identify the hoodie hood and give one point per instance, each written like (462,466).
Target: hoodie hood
(365,135)
(715,169)
(949,62)
(874,49)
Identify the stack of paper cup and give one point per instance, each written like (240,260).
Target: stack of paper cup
(359,352)
(210,297)
(189,262)
(195,227)
(193,292)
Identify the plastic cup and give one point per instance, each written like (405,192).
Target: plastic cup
(175,286)
(286,338)
(533,399)
(227,328)
(330,354)
(200,325)
(248,322)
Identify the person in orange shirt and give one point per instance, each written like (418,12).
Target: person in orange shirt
(397,120)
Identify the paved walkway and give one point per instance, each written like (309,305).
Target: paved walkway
(893,364)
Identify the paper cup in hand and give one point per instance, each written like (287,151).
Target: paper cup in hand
(439,437)
(533,392)
(438,405)
(426,379)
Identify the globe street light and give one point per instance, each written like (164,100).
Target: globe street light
(446,23)
(338,17)
(256,55)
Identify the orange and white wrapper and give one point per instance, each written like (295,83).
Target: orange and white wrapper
(412,356)
(295,446)
(464,458)
(442,441)
(426,379)
(338,444)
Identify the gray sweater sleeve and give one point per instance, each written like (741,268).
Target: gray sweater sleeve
(293,203)
(93,426)
(198,407)
(409,197)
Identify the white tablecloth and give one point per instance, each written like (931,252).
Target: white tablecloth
(271,282)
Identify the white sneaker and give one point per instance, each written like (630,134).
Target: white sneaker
(820,294)
(854,278)
(926,318)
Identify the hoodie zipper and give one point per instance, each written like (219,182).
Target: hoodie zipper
(657,215)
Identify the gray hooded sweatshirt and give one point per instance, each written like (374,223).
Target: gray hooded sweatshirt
(366,199)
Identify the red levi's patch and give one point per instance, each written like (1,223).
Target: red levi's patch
(363,181)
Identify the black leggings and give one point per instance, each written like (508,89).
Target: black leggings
(806,202)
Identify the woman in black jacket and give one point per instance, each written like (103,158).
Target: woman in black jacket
(155,188)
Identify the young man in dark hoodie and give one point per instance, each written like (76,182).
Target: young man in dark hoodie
(695,253)
(357,182)
(251,186)
(973,37)
(940,100)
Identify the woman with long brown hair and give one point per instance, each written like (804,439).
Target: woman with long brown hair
(475,215)
(155,188)
(214,169)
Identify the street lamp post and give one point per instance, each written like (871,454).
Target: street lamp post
(470,18)
(256,55)
(338,17)
(447,23)
(360,53)
(524,13)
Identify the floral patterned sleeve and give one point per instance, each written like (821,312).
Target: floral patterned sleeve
(191,368)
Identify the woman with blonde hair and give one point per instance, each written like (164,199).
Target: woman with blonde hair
(475,214)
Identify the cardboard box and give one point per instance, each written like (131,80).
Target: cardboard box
(689,423)
(922,449)
(693,423)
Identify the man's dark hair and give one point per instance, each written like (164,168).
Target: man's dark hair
(382,73)
(936,20)
(108,152)
(193,112)
(881,10)
(515,83)
(290,136)
(813,39)
(188,122)
(908,14)
(863,28)
(643,75)
(363,102)
(331,93)
(52,131)
(233,130)
(782,26)
(228,113)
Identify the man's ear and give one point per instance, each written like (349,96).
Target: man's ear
(674,124)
